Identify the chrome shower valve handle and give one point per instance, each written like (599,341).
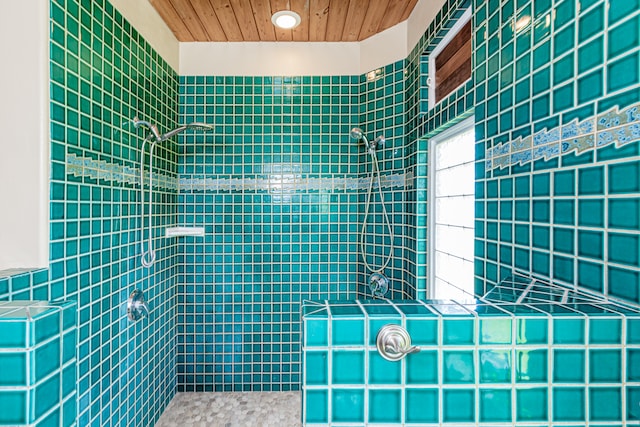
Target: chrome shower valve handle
(137,308)
(378,284)
(394,342)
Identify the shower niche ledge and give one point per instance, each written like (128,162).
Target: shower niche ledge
(183,231)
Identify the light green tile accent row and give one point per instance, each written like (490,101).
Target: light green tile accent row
(288,182)
(615,126)
(86,167)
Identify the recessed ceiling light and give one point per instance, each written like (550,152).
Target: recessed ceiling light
(285,19)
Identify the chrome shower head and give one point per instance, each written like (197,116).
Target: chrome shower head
(190,126)
(356,133)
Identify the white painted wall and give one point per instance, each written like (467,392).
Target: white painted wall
(24,136)
(269,59)
(383,48)
(279,58)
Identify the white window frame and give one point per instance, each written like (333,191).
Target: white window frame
(453,31)
(463,126)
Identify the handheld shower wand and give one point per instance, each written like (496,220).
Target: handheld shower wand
(148,257)
(356,133)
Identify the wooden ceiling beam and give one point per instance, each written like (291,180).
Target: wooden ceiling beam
(393,15)
(225,13)
(411,4)
(282,35)
(190,18)
(245,18)
(173,20)
(373,18)
(262,17)
(318,18)
(209,20)
(355,18)
(337,17)
(301,32)
(250,20)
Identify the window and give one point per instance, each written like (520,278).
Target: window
(450,61)
(451,212)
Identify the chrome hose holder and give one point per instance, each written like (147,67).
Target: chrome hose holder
(394,342)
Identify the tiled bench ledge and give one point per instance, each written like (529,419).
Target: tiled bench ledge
(480,364)
(37,363)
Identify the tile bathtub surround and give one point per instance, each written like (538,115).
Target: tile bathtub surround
(557,87)
(38,360)
(280,188)
(102,75)
(479,365)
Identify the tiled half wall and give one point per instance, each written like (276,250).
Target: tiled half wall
(479,365)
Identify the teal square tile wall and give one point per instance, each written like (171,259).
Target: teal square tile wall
(14,407)
(531,366)
(633,397)
(423,368)
(495,406)
(316,406)
(532,404)
(458,367)
(458,405)
(532,331)
(385,406)
(571,139)
(569,366)
(568,404)
(605,404)
(579,118)
(347,406)
(102,75)
(316,368)
(347,367)
(495,366)
(382,371)
(421,405)
(15,366)
(278,188)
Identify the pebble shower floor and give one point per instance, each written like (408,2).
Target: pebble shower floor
(265,409)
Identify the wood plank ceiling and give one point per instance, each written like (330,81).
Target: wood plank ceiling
(250,20)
